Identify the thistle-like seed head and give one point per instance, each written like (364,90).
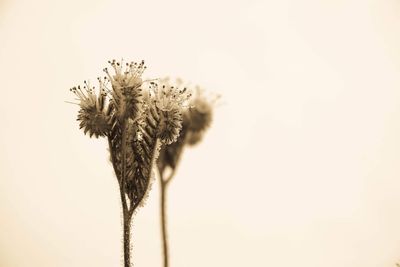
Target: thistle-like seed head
(199,116)
(94,115)
(169,103)
(196,120)
(126,85)
(170,126)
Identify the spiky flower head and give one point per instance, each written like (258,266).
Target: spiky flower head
(126,82)
(199,116)
(197,119)
(167,104)
(94,115)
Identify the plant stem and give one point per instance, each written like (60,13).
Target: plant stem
(127,232)
(163,186)
(126,215)
(123,178)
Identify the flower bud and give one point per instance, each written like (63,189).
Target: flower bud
(94,115)
(199,116)
(169,103)
(170,125)
(126,88)
(94,122)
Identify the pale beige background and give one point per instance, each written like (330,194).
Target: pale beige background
(301,167)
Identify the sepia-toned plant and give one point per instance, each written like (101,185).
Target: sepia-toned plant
(138,118)
(196,120)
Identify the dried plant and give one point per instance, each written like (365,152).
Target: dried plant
(138,118)
(196,120)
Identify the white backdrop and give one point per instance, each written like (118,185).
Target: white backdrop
(301,166)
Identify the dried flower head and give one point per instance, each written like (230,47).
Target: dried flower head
(137,121)
(196,120)
(167,104)
(94,115)
(199,116)
(126,85)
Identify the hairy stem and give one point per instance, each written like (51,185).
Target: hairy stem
(127,238)
(123,176)
(126,214)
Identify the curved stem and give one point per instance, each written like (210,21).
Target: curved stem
(169,178)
